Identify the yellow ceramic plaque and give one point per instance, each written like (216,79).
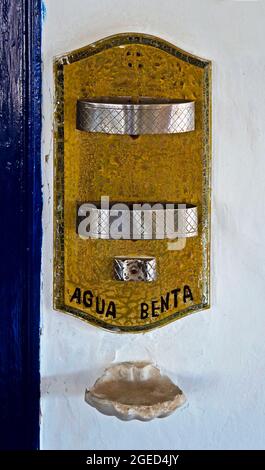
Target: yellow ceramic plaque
(128,168)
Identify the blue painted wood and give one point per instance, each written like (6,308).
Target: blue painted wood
(20,222)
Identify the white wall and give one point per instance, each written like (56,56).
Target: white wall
(217,357)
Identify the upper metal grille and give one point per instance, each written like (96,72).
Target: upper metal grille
(149,116)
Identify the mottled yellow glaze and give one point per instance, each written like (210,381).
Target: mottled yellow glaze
(173,167)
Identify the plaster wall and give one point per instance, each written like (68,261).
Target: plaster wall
(218,356)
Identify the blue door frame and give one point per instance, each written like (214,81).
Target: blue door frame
(20,222)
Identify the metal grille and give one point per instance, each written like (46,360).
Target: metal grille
(148,117)
(178,221)
(134,269)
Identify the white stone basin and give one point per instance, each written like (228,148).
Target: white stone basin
(135,390)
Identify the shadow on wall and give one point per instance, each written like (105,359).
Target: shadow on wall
(74,384)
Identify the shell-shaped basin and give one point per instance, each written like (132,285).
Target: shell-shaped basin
(135,390)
